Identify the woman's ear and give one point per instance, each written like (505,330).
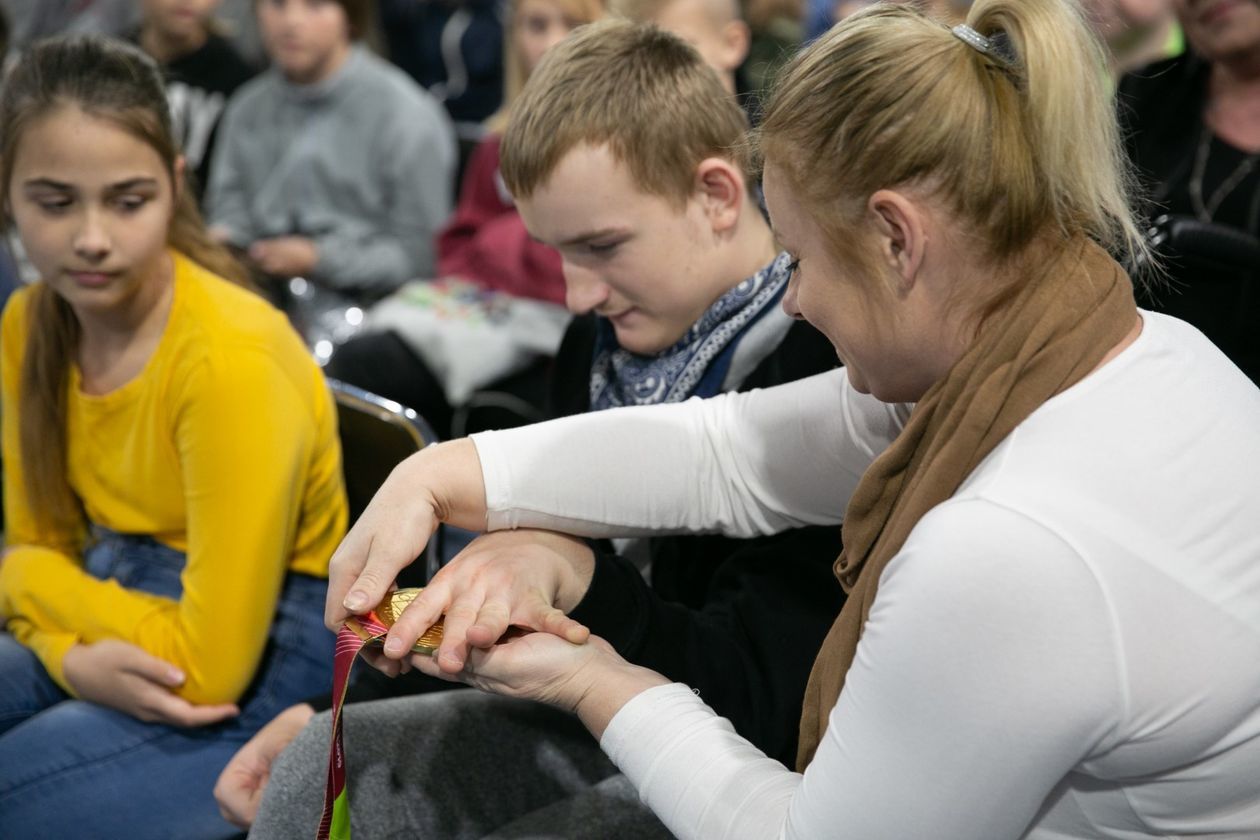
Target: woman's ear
(720,188)
(901,232)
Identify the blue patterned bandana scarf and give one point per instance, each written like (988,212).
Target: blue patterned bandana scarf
(696,366)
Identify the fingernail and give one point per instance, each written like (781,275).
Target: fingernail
(177,677)
(356,601)
(393,647)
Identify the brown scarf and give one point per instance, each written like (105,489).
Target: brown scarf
(1055,330)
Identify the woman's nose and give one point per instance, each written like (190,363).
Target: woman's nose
(789,304)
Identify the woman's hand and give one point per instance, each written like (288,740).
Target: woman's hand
(122,676)
(440,483)
(523,578)
(590,680)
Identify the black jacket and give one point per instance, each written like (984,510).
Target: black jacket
(738,620)
(1161,115)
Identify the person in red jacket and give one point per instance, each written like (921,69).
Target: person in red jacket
(484,244)
(485,241)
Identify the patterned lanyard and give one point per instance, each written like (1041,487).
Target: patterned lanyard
(355,634)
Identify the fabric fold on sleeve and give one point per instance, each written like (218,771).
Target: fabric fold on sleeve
(48,646)
(740,464)
(692,769)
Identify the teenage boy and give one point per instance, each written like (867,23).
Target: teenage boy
(333,165)
(624,156)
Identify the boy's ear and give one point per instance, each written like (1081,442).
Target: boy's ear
(720,188)
(901,234)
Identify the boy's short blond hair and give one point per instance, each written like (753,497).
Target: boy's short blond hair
(644,93)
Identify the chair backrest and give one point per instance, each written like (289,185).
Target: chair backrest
(376,434)
(1213,282)
(1226,246)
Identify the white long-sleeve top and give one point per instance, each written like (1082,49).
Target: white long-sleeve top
(1069,647)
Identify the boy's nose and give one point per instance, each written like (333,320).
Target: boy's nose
(583,290)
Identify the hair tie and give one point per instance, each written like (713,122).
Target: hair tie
(973,39)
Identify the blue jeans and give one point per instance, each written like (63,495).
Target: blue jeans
(73,769)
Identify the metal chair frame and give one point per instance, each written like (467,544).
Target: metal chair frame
(397,416)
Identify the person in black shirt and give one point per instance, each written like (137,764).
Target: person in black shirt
(1192,126)
(202,69)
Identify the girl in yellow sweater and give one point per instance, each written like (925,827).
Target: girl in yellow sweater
(172,479)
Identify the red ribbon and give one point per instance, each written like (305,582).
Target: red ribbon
(356,633)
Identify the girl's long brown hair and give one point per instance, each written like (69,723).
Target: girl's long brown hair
(117,82)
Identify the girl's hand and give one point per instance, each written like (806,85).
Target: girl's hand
(121,676)
(590,680)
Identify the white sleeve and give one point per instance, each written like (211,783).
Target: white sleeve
(743,464)
(988,669)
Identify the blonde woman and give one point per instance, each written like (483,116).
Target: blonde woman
(1049,497)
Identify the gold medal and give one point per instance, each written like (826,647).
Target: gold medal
(393,605)
(387,612)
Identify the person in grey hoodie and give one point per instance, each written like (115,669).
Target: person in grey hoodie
(333,165)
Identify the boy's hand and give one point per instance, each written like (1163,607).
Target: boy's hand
(590,680)
(521,578)
(285,256)
(240,787)
(122,676)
